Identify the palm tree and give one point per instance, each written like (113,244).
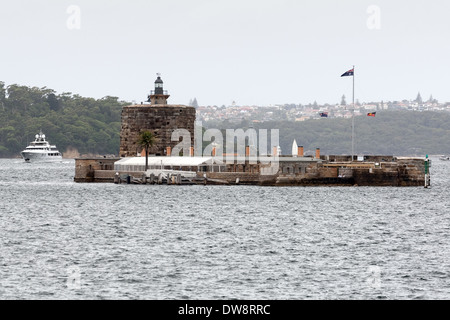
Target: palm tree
(146,140)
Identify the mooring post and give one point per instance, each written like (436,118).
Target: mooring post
(427,172)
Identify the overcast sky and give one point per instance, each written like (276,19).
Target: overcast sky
(254,52)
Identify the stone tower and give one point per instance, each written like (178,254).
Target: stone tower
(157,117)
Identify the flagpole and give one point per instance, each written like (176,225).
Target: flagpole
(353,117)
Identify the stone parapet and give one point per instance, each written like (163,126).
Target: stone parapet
(86,169)
(401,173)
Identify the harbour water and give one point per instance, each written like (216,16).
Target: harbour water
(62,240)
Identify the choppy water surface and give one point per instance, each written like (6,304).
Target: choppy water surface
(62,240)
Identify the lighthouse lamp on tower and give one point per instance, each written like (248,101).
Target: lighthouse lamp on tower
(158,96)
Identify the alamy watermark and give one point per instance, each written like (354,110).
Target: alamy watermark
(74,19)
(374,19)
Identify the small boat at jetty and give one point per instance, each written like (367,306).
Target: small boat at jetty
(445,158)
(41,150)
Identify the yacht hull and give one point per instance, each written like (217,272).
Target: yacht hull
(39,157)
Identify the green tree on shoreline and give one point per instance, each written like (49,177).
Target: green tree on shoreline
(91,126)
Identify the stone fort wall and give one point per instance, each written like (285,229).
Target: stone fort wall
(161,120)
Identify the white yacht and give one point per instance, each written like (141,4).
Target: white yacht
(41,150)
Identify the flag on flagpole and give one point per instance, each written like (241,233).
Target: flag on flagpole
(372,114)
(349,73)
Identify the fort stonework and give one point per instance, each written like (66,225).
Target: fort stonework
(91,170)
(161,120)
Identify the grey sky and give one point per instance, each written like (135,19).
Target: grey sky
(256,52)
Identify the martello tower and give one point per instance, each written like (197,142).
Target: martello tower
(157,117)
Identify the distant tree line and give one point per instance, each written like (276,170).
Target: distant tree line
(193,103)
(68,120)
(93,126)
(400,133)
